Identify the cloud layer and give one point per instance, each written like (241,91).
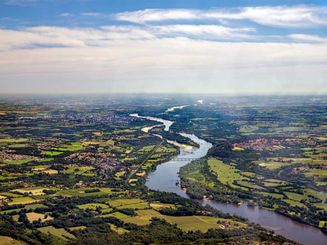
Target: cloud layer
(281,16)
(174,50)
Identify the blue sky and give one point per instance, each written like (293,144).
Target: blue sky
(234,47)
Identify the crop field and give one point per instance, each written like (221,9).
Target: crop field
(85,192)
(93,206)
(75,146)
(21,200)
(13,141)
(273,182)
(203,223)
(5,240)
(269,194)
(32,191)
(272,165)
(32,216)
(29,207)
(249,185)
(129,203)
(186,223)
(158,206)
(226,174)
(117,229)
(51,153)
(138,220)
(21,161)
(58,232)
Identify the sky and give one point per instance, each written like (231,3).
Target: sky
(163,46)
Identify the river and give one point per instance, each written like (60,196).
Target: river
(166,175)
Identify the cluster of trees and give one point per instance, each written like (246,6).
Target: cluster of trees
(19,232)
(308,214)
(161,232)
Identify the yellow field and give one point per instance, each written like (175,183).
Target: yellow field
(119,230)
(32,216)
(50,171)
(35,191)
(6,240)
(272,165)
(141,174)
(238,149)
(13,140)
(322,206)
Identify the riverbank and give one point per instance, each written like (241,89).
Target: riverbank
(165,177)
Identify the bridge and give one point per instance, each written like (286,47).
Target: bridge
(179,159)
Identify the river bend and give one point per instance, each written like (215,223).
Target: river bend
(166,175)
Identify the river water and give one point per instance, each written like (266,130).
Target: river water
(166,177)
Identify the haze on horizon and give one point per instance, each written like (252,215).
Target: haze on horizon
(253,47)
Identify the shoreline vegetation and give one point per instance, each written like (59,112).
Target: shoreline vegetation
(203,188)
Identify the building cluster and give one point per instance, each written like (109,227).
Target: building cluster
(260,144)
(103,162)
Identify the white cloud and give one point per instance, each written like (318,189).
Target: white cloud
(150,15)
(205,31)
(94,14)
(167,65)
(68,37)
(128,39)
(308,38)
(169,56)
(66,15)
(22,2)
(78,37)
(282,16)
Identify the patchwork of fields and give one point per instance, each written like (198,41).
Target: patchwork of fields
(72,174)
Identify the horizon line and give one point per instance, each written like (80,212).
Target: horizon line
(161,93)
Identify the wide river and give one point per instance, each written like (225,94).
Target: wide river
(165,177)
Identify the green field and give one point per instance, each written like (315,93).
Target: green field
(57,232)
(225,173)
(93,206)
(186,223)
(134,203)
(21,200)
(51,153)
